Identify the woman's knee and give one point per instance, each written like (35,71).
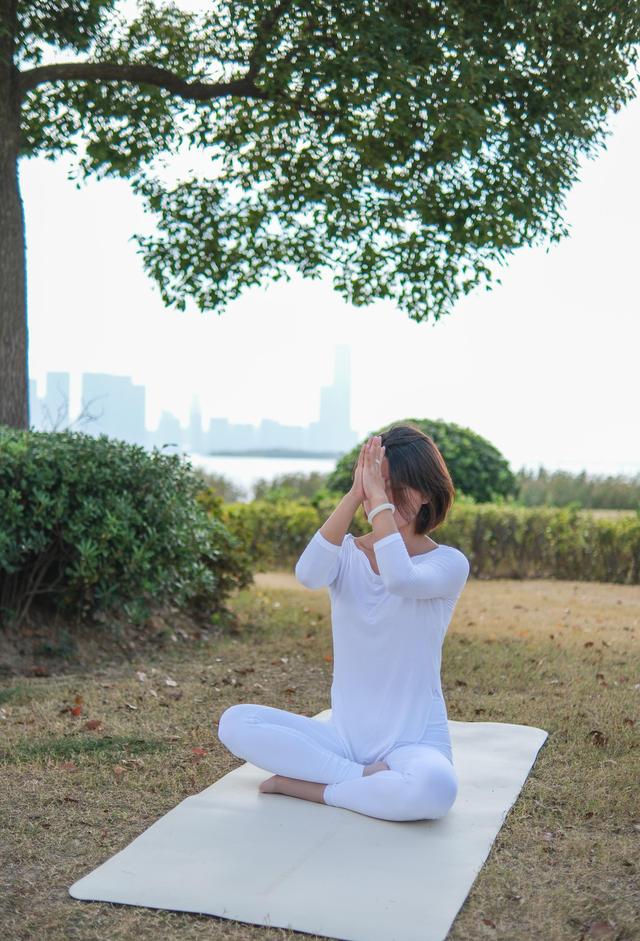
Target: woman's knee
(431,795)
(231,721)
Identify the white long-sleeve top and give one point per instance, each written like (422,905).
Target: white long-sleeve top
(388,631)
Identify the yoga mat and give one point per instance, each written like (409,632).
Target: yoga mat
(268,859)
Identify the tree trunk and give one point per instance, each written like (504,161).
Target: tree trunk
(14,398)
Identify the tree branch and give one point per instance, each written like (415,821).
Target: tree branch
(140,74)
(162,78)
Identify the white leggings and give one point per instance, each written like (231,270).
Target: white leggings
(421,784)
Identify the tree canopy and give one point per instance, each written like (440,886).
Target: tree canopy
(402,146)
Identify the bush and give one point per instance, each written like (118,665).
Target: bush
(500,540)
(94,524)
(290,486)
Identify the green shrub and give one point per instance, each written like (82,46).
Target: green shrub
(500,540)
(94,524)
(271,532)
(289,486)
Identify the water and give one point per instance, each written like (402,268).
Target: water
(245,471)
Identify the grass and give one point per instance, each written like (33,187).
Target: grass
(92,758)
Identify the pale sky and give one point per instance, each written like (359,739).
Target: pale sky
(545,366)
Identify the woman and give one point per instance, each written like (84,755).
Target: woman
(386,750)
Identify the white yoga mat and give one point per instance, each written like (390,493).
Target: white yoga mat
(284,862)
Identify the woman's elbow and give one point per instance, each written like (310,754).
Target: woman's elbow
(306,578)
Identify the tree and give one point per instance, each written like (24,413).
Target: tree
(403,146)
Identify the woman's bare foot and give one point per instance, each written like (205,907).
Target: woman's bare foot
(292,787)
(378,766)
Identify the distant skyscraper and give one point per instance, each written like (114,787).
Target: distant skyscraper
(195,432)
(35,406)
(117,407)
(168,432)
(54,407)
(333,429)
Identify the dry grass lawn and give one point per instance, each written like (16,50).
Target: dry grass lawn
(92,758)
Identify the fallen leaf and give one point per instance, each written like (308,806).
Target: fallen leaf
(68,766)
(92,724)
(76,711)
(141,676)
(170,682)
(199,752)
(130,705)
(118,769)
(78,700)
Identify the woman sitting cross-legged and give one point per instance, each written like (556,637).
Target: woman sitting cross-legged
(386,750)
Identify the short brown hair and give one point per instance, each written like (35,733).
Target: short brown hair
(415,461)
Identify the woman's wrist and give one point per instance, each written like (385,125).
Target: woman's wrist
(377,498)
(353,499)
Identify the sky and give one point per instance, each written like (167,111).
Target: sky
(545,365)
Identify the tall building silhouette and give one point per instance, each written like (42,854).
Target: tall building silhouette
(117,405)
(333,428)
(50,413)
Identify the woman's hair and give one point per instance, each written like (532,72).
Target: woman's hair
(415,461)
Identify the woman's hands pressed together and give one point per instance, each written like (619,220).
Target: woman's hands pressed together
(368,488)
(373,483)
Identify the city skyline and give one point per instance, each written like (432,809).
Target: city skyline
(221,436)
(123,415)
